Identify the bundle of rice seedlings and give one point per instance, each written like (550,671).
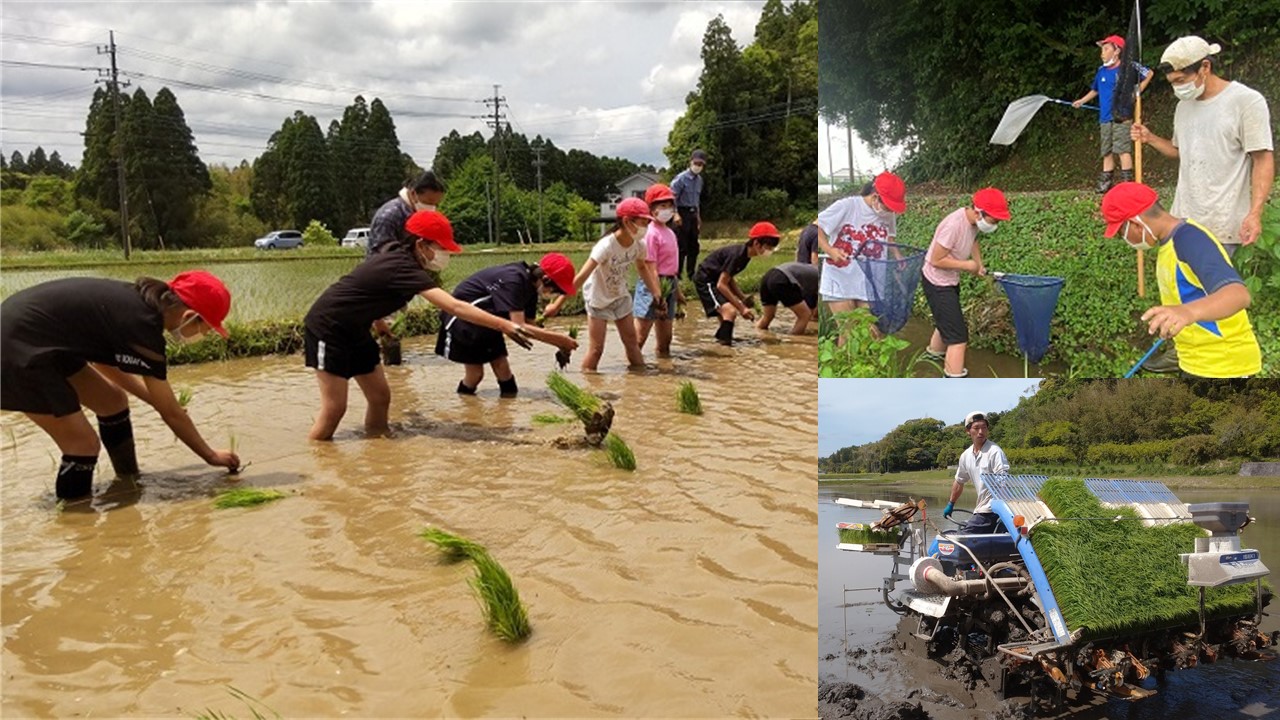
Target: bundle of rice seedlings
(184,396)
(550,419)
(860,534)
(573,331)
(454,547)
(1112,575)
(245,497)
(618,452)
(503,612)
(687,398)
(582,403)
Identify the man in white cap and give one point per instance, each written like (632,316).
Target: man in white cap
(1222,141)
(983,456)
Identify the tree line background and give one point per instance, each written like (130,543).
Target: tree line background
(1081,423)
(754,111)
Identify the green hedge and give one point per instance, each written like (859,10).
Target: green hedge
(1045,455)
(1135,454)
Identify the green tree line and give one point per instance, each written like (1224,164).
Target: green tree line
(1176,422)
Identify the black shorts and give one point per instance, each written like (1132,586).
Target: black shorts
(469,344)
(42,390)
(778,289)
(710,297)
(944,302)
(345,359)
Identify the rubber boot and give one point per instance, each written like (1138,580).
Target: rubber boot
(724,335)
(1164,361)
(1104,182)
(507,388)
(75,477)
(464,389)
(1126,176)
(116,432)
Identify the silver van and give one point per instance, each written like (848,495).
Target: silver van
(356,237)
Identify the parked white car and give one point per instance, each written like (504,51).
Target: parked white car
(279,239)
(356,237)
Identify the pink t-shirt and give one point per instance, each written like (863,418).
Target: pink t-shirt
(663,248)
(956,235)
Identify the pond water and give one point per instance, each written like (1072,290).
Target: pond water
(859,619)
(685,588)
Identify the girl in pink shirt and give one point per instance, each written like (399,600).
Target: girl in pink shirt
(663,257)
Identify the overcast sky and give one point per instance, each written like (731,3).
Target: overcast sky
(607,77)
(854,412)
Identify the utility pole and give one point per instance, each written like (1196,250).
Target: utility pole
(114,82)
(496,123)
(538,162)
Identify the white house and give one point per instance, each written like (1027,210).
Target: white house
(630,186)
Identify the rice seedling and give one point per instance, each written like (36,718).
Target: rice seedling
(253,704)
(184,396)
(550,419)
(573,331)
(860,534)
(687,398)
(618,452)
(1112,575)
(245,497)
(503,611)
(454,547)
(582,403)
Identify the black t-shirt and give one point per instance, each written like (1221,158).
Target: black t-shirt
(808,244)
(731,259)
(501,289)
(377,287)
(66,321)
(806,277)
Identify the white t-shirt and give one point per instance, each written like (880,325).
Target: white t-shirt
(956,235)
(989,460)
(608,283)
(1214,138)
(849,223)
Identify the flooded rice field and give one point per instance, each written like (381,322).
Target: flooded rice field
(855,627)
(685,588)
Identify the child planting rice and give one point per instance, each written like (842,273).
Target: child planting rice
(662,257)
(793,285)
(84,342)
(719,292)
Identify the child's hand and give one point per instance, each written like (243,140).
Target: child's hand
(1167,320)
(564,342)
(521,336)
(748,313)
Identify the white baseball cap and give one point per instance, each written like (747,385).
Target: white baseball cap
(973,417)
(1188,50)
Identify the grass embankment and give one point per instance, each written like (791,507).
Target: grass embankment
(1176,478)
(1113,576)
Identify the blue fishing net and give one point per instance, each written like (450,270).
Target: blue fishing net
(893,272)
(1033,299)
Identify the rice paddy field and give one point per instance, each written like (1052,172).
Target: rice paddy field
(683,589)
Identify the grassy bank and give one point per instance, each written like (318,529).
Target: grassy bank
(1174,478)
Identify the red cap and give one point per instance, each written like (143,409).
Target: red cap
(658,193)
(991,201)
(892,191)
(1125,202)
(434,226)
(633,207)
(560,269)
(763,230)
(1114,40)
(204,293)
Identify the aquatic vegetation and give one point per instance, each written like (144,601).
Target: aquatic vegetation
(1111,574)
(860,534)
(245,497)
(550,419)
(184,396)
(618,453)
(499,600)
(687,398)
(583,404)
(253,704)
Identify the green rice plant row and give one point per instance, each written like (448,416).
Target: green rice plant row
(245,497)
(1113,575)
(582,403)
(687,398)
(619,453)
(860,534)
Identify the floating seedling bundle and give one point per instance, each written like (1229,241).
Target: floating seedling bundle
(619,453)
(865,534)
(596,415)
(245,497)
(1113,575)
(503,612)
(687,398)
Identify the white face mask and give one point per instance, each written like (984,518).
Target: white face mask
(438,261)
(179,339)
(1142,242)
(766,251)
(423,206)
(1188,90)
(985,227)
(638,230)
(695,168)
(665,214)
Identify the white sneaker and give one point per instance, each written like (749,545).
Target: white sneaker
(963,373)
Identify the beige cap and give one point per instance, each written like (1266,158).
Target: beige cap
(1187,51)
(973,417)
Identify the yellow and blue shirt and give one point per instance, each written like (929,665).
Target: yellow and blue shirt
(1190,265)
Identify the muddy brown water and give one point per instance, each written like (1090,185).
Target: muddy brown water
(981,363)
(855,627)
(683,589)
